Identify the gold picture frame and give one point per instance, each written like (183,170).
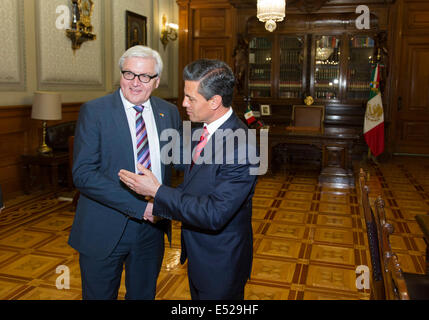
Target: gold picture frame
(136,33)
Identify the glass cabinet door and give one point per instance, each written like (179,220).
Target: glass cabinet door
(327,67)
(359,68)
(260,56)
(291,66)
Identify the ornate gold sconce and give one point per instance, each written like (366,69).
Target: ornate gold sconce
(168,31)
(81,28)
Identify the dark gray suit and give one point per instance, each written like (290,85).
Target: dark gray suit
(108,214)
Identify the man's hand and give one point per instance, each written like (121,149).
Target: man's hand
(145,184)
(148,213)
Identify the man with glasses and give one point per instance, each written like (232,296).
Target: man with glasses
(118,131)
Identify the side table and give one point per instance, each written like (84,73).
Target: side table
(52,161)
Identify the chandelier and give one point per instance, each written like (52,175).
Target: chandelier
(270,11)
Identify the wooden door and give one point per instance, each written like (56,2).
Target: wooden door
(412,117)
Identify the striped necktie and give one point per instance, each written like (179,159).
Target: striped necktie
(200,146)
(143,154)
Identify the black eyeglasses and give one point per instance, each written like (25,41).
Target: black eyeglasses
(145,78)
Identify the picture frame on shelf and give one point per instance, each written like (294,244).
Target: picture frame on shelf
(265,110)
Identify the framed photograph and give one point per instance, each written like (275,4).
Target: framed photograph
(136,30)
(265,110)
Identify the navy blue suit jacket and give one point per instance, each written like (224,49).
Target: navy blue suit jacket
(214,204)
(102,147)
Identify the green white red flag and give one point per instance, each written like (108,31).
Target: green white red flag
(248,115)
(373,128)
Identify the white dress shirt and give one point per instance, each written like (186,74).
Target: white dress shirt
(152,134)
(212,127)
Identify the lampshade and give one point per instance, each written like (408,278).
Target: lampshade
(270,11)
(46,106)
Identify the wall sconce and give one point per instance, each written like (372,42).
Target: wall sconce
(81,28)
(168,31)
(46,106)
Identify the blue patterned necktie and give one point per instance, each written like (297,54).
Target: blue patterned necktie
(143,154)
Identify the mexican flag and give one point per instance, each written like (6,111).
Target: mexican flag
(373,128)
(248,115)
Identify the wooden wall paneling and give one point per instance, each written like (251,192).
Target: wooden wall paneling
(212,49)
(210,23)
(416,17)
(409,84)
(205,31)
(413,111)
(416,74)
(212,34)
(185,48)
(19,134)
(16,134)
(394,40)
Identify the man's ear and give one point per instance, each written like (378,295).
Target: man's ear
(215,102)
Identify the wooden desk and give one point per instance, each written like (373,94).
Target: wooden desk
(336,147)
(423,221)
(52,161)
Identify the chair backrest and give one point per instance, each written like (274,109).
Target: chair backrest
(394,282)
(377,285)
(311,117)
(57,135)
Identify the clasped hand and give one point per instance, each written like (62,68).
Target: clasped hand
(145,184)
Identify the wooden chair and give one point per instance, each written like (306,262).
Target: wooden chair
(307,118)
(377,283)
(394,283)
(77,193)
(397,284)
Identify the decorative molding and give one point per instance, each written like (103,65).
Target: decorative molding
(12,50)
(58,67)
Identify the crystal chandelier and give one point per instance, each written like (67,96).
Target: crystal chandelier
(270,11)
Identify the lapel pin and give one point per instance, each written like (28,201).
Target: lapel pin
(161,114)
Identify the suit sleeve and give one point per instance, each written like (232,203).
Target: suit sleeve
(213,211)
(88,176)
(178,161)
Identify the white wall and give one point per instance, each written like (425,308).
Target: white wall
(35,55)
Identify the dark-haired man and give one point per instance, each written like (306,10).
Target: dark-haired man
(214,203)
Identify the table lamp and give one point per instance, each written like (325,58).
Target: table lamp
(46,106)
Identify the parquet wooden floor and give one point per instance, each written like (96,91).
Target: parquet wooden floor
(308,239)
